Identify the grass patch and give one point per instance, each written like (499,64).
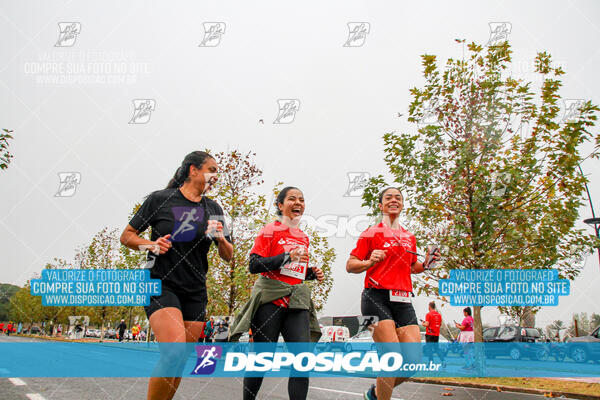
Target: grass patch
(545,384)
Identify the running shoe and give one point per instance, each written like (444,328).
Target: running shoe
(370,393)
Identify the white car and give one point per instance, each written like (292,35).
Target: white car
(361,341)
(365,336)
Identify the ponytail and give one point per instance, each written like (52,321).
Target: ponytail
(197,159)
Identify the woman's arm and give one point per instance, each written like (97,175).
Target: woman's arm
(260,264)
(225,249)
(215,228)
(356,266)
(416,268)
(131,238)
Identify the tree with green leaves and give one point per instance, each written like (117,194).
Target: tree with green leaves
(491,172)
(24,307)
(594,321)
(103,252)
(7,291)
(246,212)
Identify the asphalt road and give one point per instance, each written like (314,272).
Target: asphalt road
(223,388)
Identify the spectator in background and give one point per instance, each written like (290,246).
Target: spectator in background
(467,337)
(121,329)
(209,329)
(9,328)
(221,333)
(432,323)
(19,328)
(135,330)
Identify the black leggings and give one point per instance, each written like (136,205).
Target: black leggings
(268,321)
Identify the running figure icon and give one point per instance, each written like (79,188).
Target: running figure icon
(186,220)
(207,356)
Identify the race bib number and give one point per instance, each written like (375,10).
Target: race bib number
(294,270)
(400,296)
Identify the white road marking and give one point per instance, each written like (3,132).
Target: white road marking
(35,396)
(343,392)
(17,382)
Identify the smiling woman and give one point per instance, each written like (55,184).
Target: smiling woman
(280,302)
(388,254)
(184,224)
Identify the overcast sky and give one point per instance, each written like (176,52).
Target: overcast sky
(70,113)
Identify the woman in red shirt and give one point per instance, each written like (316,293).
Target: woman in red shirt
(387,252)
(280,253)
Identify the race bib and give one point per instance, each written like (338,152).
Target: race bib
(400,296)
(294,270)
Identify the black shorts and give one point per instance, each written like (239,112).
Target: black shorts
(192,306)
(377,302)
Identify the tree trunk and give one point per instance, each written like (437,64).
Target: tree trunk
(477,324)
(102,325)
(528,318)
(479,353)
(232,287)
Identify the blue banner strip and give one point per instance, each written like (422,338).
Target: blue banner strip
(63,359)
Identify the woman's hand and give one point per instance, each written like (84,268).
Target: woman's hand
(299,254)
(436,256)
(215,229)
(377,256)
(164,243)
(318,273)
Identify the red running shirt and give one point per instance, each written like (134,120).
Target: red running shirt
(276,238)
(435,321)
(394,271)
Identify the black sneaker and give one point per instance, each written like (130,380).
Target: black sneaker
(370,393)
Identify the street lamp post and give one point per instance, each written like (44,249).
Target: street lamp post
(594,222)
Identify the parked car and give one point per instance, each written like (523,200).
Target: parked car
(110,334)
(529,341)
(362,340)
(35,330)
(581,353)
(92,333)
